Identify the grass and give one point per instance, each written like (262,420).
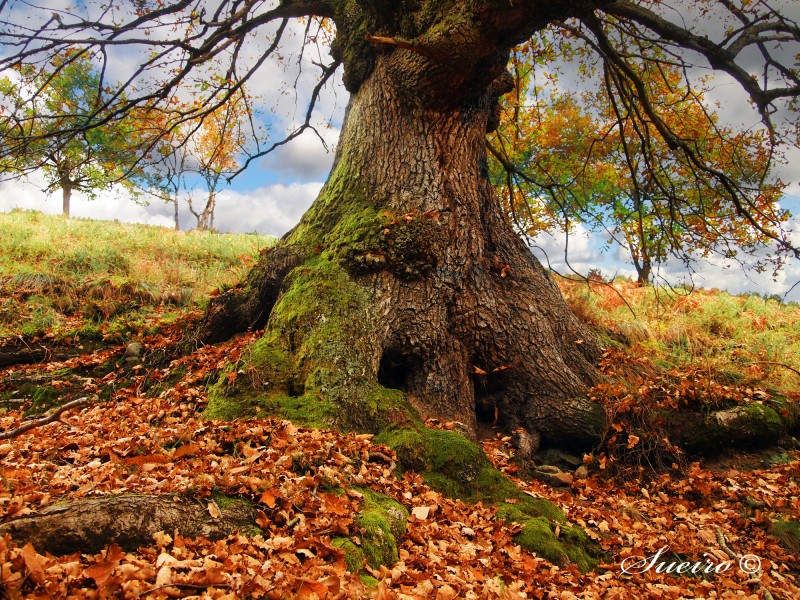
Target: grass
(69,276)
(744,340)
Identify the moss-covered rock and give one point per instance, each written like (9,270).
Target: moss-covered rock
(559,544)
(750,425)
(382,522)
(353,554)
(458,468)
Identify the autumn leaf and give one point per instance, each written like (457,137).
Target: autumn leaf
(312,589)
(268,498)
(34,564)
(214,510)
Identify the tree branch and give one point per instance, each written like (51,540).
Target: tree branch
(48,417)
(718,56)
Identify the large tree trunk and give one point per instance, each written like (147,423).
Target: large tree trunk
(408,256)
(406,274)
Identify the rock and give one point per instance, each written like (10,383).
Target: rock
(552,478)
(563,479)
(554,456)
(133,352)
(582,472)
(570,459)
(548,469)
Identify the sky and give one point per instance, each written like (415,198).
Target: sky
(272,194)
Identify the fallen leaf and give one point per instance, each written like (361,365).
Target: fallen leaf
(421,512)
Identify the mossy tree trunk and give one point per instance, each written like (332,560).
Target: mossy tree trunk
(405,273)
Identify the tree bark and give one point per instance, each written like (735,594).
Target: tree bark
(406,273)
(175,206)
(89,525)
(66,196)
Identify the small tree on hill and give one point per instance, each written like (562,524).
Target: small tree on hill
(214,147)
(56,112)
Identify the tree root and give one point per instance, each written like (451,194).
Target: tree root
(49,417)
(88,525)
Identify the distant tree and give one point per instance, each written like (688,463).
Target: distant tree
(55,113)
(560,159)
(213,148)
(169,159)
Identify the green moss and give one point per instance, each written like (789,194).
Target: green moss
(368,580)
(313,364)
(43,399)
(767,423)
(457,468)
(271,364)
(224,501)
(788,532)
(352,46)
(353,555)
(223,406)
(382,521)
(572,545)
(238,505)
(538,536)
(519,507)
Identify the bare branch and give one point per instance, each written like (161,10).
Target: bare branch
(49,417)
(719,56)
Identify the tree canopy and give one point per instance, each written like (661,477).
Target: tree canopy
(48,118)
(564,159)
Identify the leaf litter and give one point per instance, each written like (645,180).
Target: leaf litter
(138,444)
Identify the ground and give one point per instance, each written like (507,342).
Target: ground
(319,493)
(325,513)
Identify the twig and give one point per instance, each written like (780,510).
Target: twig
(54,415)
(380,40)
(191,586)
(723,544)
(768,362)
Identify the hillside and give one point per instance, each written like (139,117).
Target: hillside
(101,314)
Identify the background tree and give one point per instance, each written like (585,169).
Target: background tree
(214,147)
(58,114)
(405,284)
(561,160)
(169,160)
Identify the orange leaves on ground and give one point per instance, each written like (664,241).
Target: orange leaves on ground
(293,477)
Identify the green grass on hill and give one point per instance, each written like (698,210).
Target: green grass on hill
(74,276)
(744,339)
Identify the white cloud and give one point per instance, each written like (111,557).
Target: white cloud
(269,210)
(305,157)
(272,209)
